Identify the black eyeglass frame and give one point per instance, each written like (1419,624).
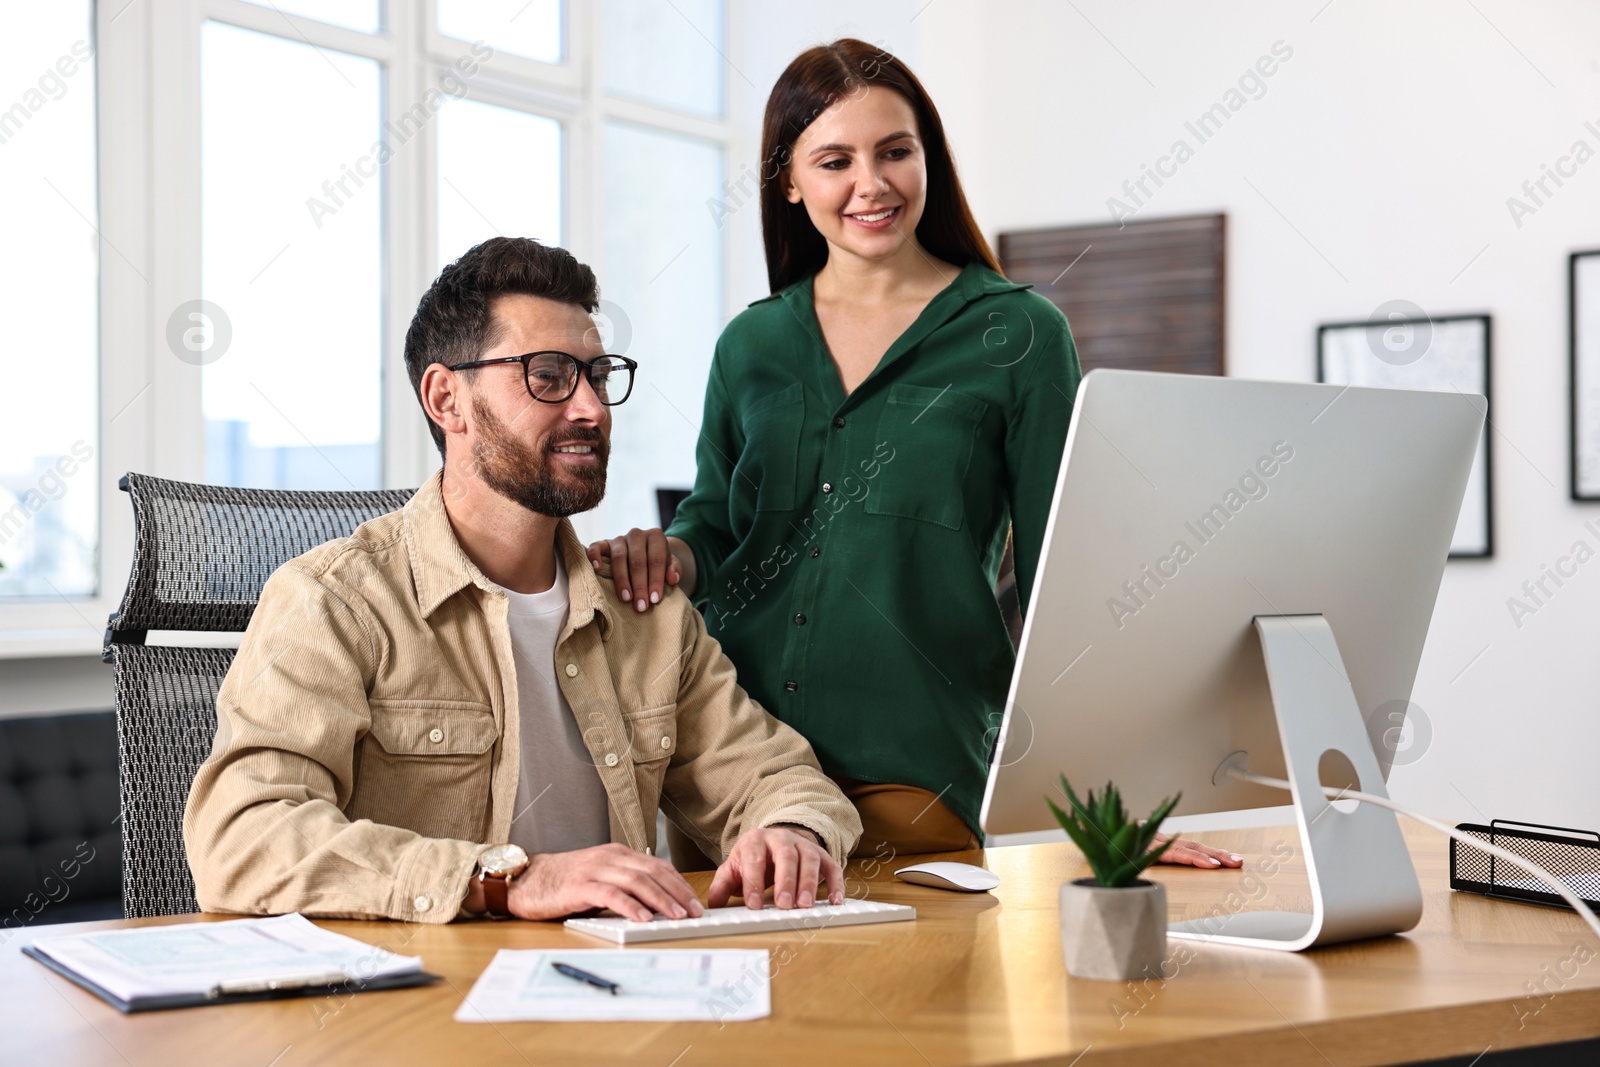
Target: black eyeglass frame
(586,369)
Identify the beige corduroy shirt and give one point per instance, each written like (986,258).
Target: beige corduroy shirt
(367,732)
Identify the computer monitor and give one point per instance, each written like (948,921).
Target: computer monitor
(1239,570)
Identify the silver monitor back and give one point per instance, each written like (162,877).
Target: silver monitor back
(1185,507)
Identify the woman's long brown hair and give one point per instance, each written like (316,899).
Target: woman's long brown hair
(818,78)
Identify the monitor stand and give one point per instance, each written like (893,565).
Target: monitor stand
(1362,880)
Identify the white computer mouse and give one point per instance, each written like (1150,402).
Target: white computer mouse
(962,877)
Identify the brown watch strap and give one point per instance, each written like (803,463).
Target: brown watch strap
(496,888)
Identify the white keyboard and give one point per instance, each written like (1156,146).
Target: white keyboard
(721,922)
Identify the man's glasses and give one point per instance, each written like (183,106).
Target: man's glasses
(552,377)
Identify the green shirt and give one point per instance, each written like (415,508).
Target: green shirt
(848,546)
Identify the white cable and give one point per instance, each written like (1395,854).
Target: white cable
(1510,857)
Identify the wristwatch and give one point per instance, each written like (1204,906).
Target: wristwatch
(496,868)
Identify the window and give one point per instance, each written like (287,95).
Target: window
(49,278)
(530,28)
(360,15)
(663,289)
(296,345)
(499,175)
(288,330)
(667,54)
(281,182)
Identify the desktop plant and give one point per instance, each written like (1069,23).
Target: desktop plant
(1113,925)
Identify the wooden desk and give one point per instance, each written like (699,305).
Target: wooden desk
(976,979)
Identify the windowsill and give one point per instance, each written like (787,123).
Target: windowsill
(42,644)
(38,644)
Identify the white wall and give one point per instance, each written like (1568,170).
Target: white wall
(1375,166)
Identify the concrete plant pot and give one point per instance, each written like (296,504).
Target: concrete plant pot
(1118,933)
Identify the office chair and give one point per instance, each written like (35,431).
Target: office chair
(201,555)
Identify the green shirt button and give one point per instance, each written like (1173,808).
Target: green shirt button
(799,620)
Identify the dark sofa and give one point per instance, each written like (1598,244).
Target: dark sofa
(60,841)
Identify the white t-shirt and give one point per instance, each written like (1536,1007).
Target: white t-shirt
(561,804)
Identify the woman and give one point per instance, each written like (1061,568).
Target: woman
(873,430)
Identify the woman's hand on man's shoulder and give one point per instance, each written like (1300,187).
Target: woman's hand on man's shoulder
(640,563)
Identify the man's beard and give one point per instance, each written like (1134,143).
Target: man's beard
(528,475)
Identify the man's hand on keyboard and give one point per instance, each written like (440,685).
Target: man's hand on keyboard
(792,861)
(612,876)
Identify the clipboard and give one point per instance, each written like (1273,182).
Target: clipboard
(163,1002)
(183,965)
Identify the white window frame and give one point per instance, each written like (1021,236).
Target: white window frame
(148,78)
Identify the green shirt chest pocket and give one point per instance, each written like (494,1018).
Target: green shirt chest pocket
(932,432)
(771,454)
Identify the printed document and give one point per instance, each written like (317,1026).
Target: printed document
(666,985)
(196,958)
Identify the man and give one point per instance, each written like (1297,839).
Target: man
(446,713)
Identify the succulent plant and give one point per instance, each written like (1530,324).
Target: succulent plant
(1117,847)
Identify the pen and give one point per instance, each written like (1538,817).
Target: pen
(272,985)
(584,976)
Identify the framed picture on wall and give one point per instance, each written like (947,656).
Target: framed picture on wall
(1584,342)
(1442,354)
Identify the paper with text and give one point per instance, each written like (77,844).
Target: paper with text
(195,957)
(666,985)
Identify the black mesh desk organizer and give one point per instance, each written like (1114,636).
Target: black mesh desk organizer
(1572,856)
(201,555)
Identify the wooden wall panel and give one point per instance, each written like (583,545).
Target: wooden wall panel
(1144,296)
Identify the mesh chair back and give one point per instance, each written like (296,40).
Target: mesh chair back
(202,553)
(166,717)
(201,556)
